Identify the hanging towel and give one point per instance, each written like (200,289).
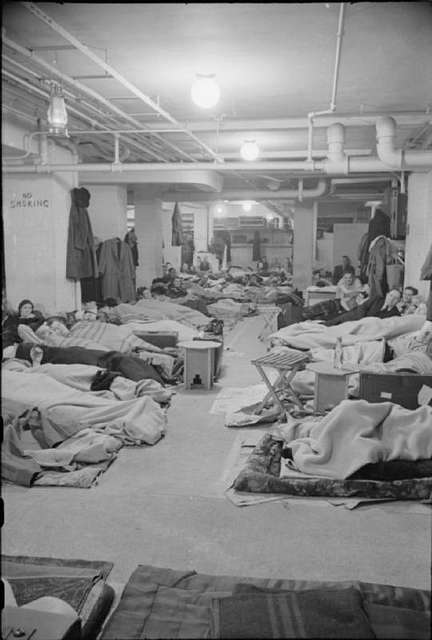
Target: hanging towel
(81,256)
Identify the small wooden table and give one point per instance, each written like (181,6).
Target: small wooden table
(286,363)
(331,384)
(199,363)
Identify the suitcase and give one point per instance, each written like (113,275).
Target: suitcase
(400,388)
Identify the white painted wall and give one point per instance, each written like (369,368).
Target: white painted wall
(346,241)
(108,210)
(148,228)
(419,236)
(325,251)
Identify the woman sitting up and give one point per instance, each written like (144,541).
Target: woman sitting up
(14,325)
(347,290)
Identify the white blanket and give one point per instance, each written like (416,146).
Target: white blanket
(357,432)
(67,411)
(312,334)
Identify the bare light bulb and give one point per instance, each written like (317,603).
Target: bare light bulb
(249,150)
(205,91)
(247,206)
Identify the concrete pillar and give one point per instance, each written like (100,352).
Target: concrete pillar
(108,210)
(203,228)
(419,228)
(148,228)
(304,245)
(36,217)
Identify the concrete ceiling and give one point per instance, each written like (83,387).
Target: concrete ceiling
(274,63)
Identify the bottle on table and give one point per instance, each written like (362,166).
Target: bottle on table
(338,354)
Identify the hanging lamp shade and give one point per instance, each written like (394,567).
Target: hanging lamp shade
(249,150)
(57,114)
(205,91)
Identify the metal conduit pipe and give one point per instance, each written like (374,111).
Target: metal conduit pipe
(398,158)
(35,10)
(90,93)
(332,107)
(247,194)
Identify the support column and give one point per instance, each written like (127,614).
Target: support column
(419,229)
(108,210)
(203,228)
(148,228)
(304,245)
(36,217)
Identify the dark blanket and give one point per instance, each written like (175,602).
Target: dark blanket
(265,613)
(381,480)
(165,603)
(128,366)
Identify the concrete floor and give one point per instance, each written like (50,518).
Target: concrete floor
(164,505)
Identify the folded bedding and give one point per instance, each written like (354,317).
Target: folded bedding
(167,603)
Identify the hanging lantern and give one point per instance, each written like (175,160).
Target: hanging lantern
(57,114)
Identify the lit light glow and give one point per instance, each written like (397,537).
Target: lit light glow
(249,150)
(205,91)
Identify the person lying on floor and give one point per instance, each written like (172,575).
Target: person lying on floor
(86,377)
(27,316)
(128,366)
(372,307)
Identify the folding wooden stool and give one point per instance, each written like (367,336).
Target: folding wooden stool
(286,363)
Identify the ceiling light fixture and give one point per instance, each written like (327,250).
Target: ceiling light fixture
(205,91)
(249,150)
(247,206)
(57,114)
(220,209)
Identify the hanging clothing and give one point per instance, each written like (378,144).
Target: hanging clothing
(117,270)
(91,288)
(381,253)
(379,225)
(426,274)
(131,239)
(177,228)
(81,256)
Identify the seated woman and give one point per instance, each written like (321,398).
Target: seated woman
(26,316)
(372,307)
(347,290)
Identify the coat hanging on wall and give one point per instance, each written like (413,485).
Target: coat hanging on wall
(117,270)
(177,227)
(132,240)
(81,256)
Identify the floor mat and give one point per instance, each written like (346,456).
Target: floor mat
(80,583)
(166,603)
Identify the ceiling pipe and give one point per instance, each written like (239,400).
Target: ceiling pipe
(247,194)
(398,158)
(34,9)
(90,93)
(332,107)
(277,124)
